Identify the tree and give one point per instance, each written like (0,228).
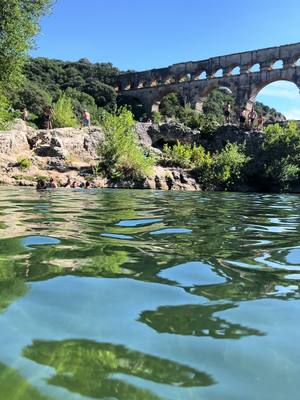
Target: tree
(121,155)
(32,96)
(19,23)
(63,115)
(170,105)
(81,101)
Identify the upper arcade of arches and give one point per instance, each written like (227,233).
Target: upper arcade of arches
(228,66)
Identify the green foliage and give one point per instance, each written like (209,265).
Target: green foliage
(224,169)
(92,80)
(81,101)
(156,117)
(24,163)
(18,25)
(228,164)
(269,114)
(170,105)
(5,115)
(31,96)
(63,114)
(14,386)
(121,156)
(280,154)
(215,103)
(186,155)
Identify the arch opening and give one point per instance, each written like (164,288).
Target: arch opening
(255,68)
(277,101)
(169,104)
(142,84)
(277,64)
(297,63)
(202,75)
(184,78)
(218,73)
(134,104)
(235,71)
(217,102)
(129,85)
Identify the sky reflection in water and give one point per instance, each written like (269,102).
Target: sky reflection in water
(149,295)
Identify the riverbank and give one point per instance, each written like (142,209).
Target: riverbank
(229,158)
(27,155)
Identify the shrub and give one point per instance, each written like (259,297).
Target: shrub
(121,156)
(156,117)
(5,115)
(63,114)
(222,170)
(280,155)
(185,155)
(228,164)
(24,163)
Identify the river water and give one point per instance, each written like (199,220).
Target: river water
(141,295)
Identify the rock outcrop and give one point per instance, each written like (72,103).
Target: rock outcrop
(69,152)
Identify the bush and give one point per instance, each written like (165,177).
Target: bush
(24,163)
(185,155)
(156,117)
(31,96)
(223,170)
(228,164)
(280,155)
(121,156)
(81,101)
(5,115)
(63,114)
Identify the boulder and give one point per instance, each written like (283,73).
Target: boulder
(171,133)
(66,142)
(13,142)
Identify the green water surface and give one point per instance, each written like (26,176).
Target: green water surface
(141,295)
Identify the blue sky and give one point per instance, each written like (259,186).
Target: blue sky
(144,34)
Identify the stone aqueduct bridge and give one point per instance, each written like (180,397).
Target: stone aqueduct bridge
(194,80)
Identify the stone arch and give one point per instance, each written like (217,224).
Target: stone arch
(218,74)
(142,84)
(167,80)
(235,70)
(157,100)
(153,83)
(118,87)
(202,75)
(134,103)
(278,64)
(254,68)
(254,91)
(198,101)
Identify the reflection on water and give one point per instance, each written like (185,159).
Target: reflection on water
(149,295)
(91,368)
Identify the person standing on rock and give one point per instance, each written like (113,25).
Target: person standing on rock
(260,122)
(86,119)
(25,114)
(48,114)
(243,117)
(227,113)
(252,118)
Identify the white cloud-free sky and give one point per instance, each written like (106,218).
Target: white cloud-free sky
(282,95)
